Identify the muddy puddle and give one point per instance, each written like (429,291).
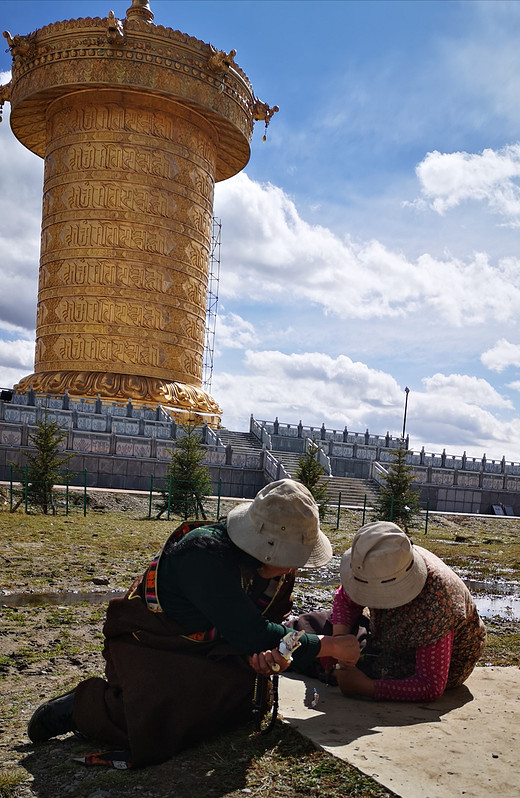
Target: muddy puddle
(496,599)
(492,599)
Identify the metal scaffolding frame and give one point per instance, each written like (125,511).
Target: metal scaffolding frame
(211,304)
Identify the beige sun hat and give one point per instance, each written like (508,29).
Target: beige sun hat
(281,527)
(382,569)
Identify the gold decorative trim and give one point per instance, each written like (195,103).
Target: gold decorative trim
(121,388)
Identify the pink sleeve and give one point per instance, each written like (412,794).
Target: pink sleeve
(344,610)
(432,664)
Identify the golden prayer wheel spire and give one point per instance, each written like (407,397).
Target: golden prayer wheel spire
(140,9)
(135,122)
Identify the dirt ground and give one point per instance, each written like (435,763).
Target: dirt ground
(45,650)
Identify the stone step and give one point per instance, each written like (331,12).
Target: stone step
(353,491)
(239,441)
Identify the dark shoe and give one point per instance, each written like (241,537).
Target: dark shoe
(52,718)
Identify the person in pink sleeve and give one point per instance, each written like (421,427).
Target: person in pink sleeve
(425,632)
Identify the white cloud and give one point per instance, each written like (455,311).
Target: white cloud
(16,359)
(17,354)
(10,377)
(277,256)
(448,179)
(453,423)
(20,214)
(471,390)
(452,412)
(337,391)
(502,355)
(234,332)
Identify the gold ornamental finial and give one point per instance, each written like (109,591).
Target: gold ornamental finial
(115,29)
(219,61)
(262,112)
(140,9)
(19,45)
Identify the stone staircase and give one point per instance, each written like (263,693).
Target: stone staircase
(353,491)
(240,442)
(289,460)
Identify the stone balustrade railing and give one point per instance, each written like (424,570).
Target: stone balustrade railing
(378,448)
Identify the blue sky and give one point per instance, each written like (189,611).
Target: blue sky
(371,243)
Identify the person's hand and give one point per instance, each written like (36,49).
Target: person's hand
(344,648)
(268,662)
(352,681)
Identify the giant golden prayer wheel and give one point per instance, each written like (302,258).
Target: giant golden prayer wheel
(135,123)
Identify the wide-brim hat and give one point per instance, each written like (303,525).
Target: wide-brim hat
(382,568)
(281,527)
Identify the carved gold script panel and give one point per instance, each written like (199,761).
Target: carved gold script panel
(126,224)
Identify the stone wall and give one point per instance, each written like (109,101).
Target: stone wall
(450,483)
(120,447)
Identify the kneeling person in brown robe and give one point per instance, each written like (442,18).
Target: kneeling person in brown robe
(183,647)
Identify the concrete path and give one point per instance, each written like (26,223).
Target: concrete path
(466,743)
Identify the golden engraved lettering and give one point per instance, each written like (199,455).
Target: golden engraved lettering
(138,200)
(197,256)
(39,353)
(116,117)
(150,355)
(158,204)
(109,273)
(89,118)
(194,328)
(120,351)
(153,281)
(99,155)
(44,277)
(191,365)
(162,126)
(202,183)
(81,196)
(149,317)
(136,237)
(193,291)
(138,120)
(143,160)
(204,148)
(41,314)
(102,234)
(107,311)
(200,220)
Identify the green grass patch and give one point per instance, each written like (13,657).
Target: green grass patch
(10,780)
(502,646)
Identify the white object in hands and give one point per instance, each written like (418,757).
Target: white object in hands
(289,643)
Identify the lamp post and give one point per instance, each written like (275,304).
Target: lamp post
(406,391)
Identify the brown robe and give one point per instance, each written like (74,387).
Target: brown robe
(165,691)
